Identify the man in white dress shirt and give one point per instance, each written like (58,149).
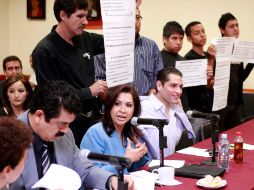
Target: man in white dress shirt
(165,104)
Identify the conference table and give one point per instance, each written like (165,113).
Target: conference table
(238,177)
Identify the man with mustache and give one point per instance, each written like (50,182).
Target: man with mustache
(53,107)
(66,53)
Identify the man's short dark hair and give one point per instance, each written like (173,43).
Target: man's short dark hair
(224,19)
(68,6)
(54,95)
(188,27)
(11,58)
(171,28)
(162,75)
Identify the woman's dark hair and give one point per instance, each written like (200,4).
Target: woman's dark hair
(129,130)
(11,80)
(15,138)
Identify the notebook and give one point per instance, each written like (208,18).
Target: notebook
(199,171)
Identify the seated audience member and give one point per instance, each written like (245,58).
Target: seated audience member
(164,104)
(53,107)
(17,93)
(15,140)
(11,65)
(115,135)
(173,35)
(200,97)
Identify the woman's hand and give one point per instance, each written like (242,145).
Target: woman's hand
(135,153)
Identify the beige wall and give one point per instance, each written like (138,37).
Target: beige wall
(20,35)
(4,30)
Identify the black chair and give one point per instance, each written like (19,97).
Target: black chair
(184,141)
(248,107)
(202,129)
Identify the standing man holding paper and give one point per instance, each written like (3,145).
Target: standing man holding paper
(66,53)
(147,62)
(231,115)
(200,98)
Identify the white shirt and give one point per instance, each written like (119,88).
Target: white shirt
(152,107)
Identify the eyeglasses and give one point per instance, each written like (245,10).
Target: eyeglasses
(138,17)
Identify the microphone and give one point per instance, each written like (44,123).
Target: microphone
(198,114)
(113,160)
(148,121)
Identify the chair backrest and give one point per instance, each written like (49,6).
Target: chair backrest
(184,141)
(201,127)
(248,107)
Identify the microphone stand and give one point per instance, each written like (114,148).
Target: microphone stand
(162,143)
(120,171)
(215,138)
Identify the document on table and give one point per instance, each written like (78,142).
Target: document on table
(224,47)
(59,177)
(194,72)
(119,37)
(194,151)
(172,163)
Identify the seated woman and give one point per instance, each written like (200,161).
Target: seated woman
(17,92)
(115,135)
(13,151)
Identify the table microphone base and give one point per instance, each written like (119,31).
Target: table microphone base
(209,163)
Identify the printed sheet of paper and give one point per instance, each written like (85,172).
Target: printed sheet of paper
(221,85)
(243,51)
(59,177)
(119,36)
(194,72)
(194,151)
(224,47)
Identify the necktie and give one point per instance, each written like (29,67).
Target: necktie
(45,159)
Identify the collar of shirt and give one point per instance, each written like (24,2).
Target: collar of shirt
(157,104)
(138,40)
(62,43)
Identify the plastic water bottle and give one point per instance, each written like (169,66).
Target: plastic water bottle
(238,148)
(223,159)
